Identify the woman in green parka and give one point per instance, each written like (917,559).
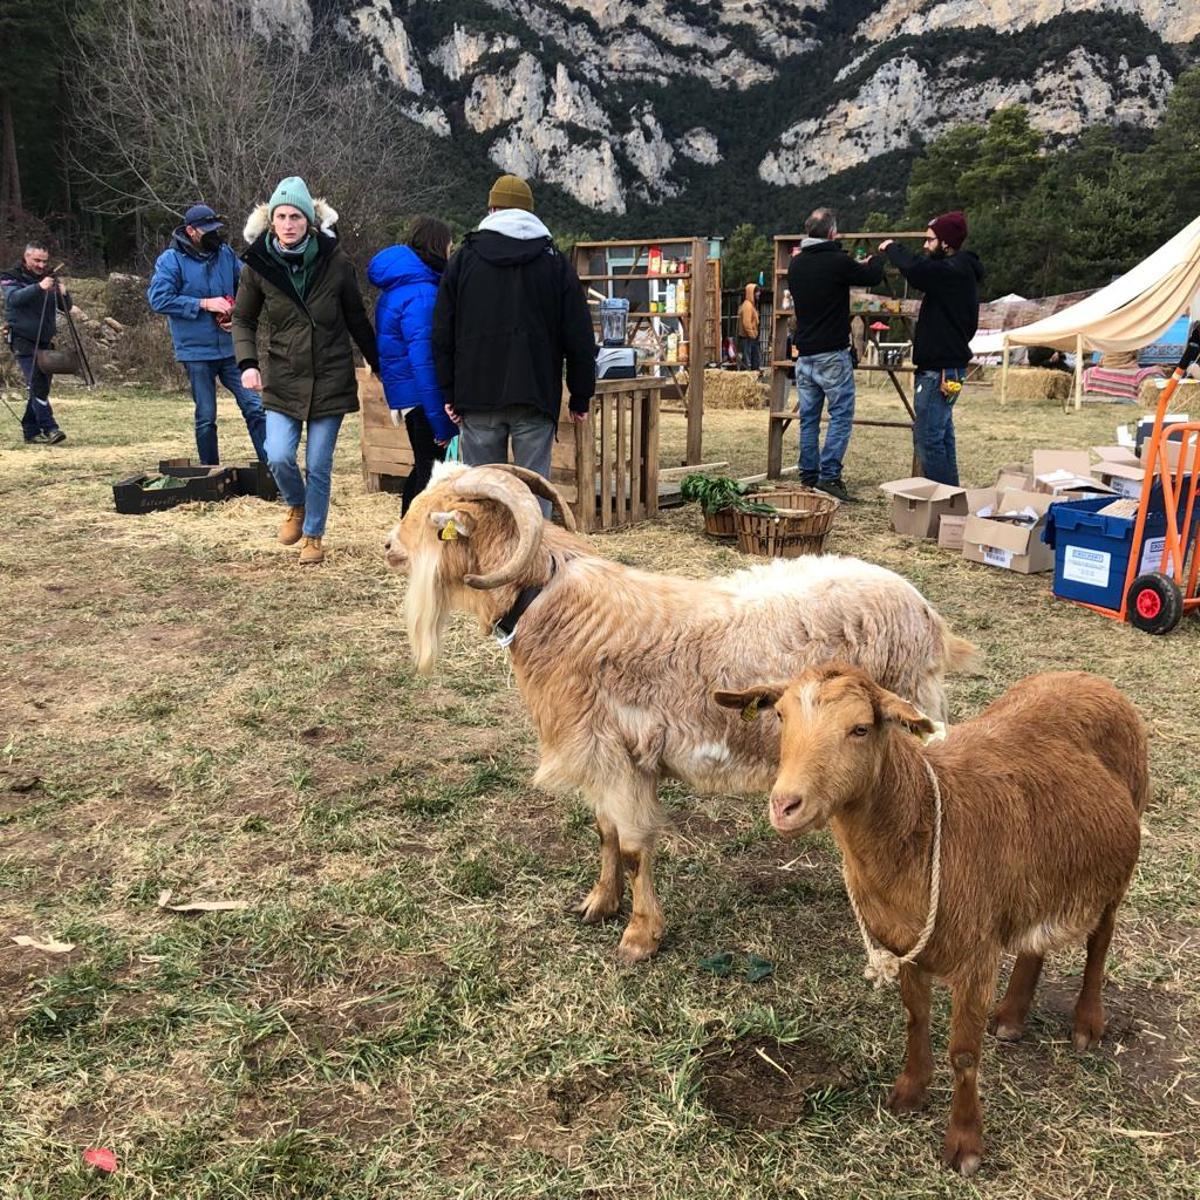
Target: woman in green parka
(300,284)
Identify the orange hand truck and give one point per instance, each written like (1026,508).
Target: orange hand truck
(1156,601)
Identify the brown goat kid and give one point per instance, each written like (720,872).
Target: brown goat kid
(1041,798)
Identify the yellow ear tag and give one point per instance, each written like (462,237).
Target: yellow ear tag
(449,531)
(750,712)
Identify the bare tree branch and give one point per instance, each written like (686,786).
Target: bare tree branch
(179,101)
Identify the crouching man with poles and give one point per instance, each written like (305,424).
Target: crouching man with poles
(33,298)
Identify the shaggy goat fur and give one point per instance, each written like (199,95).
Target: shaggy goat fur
(614,664)
(1042,796)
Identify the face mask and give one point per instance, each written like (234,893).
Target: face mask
(211,240)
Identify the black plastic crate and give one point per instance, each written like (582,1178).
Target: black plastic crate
(216,483)
(249,479)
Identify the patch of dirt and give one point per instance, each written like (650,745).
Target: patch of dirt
(699,829)
(760,1083)
(358,1114)
(555,1118)
(317,735)
(1153,1046)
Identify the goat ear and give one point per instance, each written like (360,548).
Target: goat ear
(892,708)
(451,525)
(762,695)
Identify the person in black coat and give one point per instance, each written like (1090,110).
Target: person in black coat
(510,313)
(820,278)
(950,277)
(33,298)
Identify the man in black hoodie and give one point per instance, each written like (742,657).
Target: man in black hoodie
(820,278)
(949,276)
(509,312)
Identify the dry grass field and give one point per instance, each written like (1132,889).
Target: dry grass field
(406,1008)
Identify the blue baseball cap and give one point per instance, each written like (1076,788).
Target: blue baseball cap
(201,217)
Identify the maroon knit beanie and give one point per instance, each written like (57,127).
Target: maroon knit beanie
(950,228)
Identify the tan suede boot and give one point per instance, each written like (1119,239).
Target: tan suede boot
(292,527)
(311,552)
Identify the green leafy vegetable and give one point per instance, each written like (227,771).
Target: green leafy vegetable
(717,493)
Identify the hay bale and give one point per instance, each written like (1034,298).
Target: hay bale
(1038,383)
(125,298)
(1186,398)
(734,389)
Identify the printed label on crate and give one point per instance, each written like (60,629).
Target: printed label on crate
(997,558)
(1152,552)
(1081,565)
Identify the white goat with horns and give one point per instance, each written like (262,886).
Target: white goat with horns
(616,665)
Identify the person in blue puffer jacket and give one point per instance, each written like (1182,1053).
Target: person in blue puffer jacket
(407,277)
(193,286)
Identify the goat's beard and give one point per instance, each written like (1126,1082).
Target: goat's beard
(426,610)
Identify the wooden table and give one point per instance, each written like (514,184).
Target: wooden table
(785,417)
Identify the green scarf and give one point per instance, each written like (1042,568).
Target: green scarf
(297,262)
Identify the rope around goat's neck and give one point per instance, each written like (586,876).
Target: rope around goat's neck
(882,965)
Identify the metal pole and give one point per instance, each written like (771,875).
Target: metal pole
(1078,371)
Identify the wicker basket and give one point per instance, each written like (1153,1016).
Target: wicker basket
(799,527)
(721,524)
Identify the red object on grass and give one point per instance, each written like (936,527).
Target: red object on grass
(101,1159)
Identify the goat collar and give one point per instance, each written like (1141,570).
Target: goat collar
(882,965)
(505,629)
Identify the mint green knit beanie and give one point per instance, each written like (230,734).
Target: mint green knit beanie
(294,191)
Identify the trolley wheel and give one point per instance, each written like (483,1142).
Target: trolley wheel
(1154,603)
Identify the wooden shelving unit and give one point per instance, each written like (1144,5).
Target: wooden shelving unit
(693,325)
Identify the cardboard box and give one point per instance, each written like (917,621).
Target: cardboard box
(950,530)
(1013,547)
(918,505)
(1065,473)
(1123,471)
(1016,475)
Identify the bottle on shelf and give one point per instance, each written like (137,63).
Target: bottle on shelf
(681,298)
(655,261)
(672,347)
(683,352)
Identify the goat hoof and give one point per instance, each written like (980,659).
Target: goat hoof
(1087,1037)
(1007,1031)
(906,1096)
(636,946)
(963,1150)
(597,906)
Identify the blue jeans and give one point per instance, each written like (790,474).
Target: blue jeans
(751,353)
(933,433)
(820,378)
(311,493)
(38,416)
(203,377)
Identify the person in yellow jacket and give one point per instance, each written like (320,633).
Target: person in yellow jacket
(748,331)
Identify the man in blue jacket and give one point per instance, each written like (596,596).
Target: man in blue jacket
(193,286)
(33,298)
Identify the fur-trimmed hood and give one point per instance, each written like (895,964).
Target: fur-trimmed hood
(259,220)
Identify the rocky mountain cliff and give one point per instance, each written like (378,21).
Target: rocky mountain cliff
(696,114)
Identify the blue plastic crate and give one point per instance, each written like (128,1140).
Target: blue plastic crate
(1091,551)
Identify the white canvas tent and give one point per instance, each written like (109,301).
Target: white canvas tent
(1131,312)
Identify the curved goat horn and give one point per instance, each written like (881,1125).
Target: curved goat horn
(539,485)
(486,483)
